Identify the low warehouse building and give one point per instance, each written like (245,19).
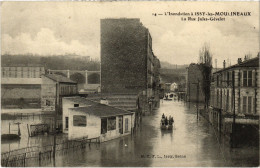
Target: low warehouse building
(97,120)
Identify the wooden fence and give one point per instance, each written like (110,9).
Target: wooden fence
(37,156)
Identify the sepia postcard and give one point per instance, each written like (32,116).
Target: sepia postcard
(130,84)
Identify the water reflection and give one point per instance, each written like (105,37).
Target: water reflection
(191,143)
(24,141)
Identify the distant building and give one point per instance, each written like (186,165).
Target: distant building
(242,98)
(174,87)
(85,118)
(167,87)
(88,81)
(54,88)
(194,83)
(21,86)
(23,71)
(128,64)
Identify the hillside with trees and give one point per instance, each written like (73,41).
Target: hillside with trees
(170,73)
(57,62)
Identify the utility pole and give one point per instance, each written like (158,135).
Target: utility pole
(198,99)
(55,122)
(189,94)
(234,111)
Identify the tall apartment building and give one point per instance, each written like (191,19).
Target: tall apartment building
(235,90)
(127,59)
(128,64)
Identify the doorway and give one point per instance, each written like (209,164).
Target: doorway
(103,125)
(120,124)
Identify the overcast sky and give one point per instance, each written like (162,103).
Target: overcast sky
(74,27)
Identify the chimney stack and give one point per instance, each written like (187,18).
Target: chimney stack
(224,64)
(68,73)
(239,60)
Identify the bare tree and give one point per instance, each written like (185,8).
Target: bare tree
(205,56)
(205,62)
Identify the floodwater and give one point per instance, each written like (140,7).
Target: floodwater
(192,143)
(25,140)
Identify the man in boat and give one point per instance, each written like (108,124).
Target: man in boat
(166,121)
(163,116)
(170,120)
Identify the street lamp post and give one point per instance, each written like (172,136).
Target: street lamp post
(197,96)
(189,94)
(55,123)
(198,99)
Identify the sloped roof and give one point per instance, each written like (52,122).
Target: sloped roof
(254,62)
(21,65)
(101,110)
(59,78)
(80,100)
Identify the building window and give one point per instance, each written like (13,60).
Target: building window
(76,105)
(247,104)
(48,103)
(228,79)
(34,73)
(227,104)
(249,81)
(79,121)
(249,109)
(15,72)
(103,125)
(66,122)
(247,78)
(244,104)
(21,72)
(126,125)
(111,123)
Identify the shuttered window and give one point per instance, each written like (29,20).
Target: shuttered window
(247,78)
(249,109)
(244,104)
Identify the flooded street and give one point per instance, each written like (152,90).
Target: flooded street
(191,143)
